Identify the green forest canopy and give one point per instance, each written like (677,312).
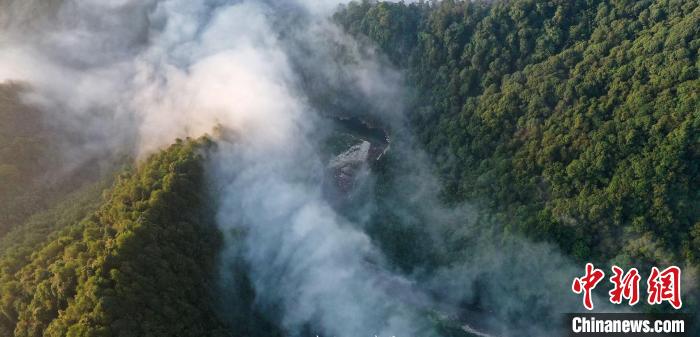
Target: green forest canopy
(139,265)
(575,122)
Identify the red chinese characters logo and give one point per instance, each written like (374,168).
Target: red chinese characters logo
(662,286)
(625,287)
(665,286)
(586,283)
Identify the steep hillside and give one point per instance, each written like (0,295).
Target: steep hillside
(34,173)
(23,156)
(141,264)
(574,121)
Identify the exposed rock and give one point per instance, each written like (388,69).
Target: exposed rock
(346,166)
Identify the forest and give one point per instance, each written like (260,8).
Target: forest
(574,124)
(572,121)
(88,276)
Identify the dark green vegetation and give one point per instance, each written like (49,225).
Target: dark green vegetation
(33,177)
(23,147)
(141,264)
(576,122)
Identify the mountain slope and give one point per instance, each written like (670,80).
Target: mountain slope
(141,265)
(34,174)
(575,122)
(23,157)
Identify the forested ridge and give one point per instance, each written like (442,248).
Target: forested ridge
(141,264)
(575,122)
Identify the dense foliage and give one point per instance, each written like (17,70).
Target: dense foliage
(23,148)
(576,122)
(140,265)
(33,174)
